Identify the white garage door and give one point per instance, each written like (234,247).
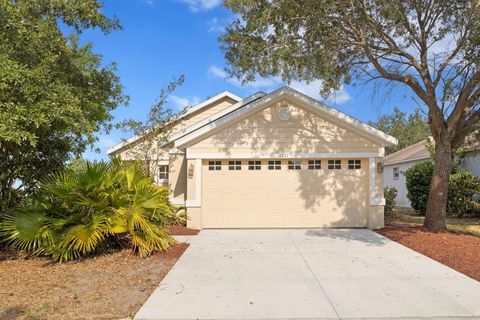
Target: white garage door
(285,193)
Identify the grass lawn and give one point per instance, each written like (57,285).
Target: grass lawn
(470,226)
(107,286)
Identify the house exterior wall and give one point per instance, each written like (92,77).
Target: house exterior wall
(471,162)
(357,199)
(160,156)
(348,198)
(264,133)
(178,182)
(206,112)
(400,184)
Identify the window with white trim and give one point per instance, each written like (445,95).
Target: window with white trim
(255,165)
(274,165)
(334,164)
(396,173)
(235,165)
(354,164)
(163,172)
(294,165)
(314,164)
(214,165)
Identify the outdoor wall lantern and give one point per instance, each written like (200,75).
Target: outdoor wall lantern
(380,167)
(191,171)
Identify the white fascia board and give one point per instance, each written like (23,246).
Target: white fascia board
(225,94)
(329,155)
(377,135)
(177,135)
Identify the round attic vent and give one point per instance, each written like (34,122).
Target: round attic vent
(283,113)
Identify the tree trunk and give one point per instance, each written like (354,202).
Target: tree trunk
(437,197)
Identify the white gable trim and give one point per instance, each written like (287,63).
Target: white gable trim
(218,121)
(196,108)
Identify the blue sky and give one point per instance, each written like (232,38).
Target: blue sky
(162,39)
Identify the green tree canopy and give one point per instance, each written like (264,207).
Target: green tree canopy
(407,128)
(54,93)
(430,47)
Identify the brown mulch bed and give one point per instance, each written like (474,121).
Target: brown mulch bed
(181,231)
(109,286)
(458,251)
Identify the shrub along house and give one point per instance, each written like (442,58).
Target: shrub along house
(273,160)
(397,163)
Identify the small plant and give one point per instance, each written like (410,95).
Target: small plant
(418,179)
(462,188)
(390,194)
(91,208)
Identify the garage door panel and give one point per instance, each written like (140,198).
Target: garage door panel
(284,198)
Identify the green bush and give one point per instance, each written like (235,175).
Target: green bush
(418,179)
(461,188)
(91,208)
(390,194)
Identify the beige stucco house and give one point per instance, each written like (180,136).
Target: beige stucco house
(271,160)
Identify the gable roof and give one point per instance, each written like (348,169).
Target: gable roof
(195,109)
(201,105)
(239,110)
(415,152)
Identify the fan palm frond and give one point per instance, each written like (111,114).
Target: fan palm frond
(27,230)
(80,211)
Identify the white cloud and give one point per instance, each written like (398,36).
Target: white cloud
(149,2)
(341,96)
(201,5)
(313,88)
(183,102)
(216,25)
(257,84)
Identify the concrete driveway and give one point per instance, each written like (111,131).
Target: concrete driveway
(308,274)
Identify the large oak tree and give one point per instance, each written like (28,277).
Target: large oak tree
(429,46)
(54,93)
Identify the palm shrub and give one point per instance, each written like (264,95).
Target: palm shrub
(92,208)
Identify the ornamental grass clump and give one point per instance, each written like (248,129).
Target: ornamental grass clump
(99,206)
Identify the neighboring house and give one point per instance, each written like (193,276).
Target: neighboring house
(397,163)
(471,156)
(280,159)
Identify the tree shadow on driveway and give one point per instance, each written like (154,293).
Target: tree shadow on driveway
(369,237)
